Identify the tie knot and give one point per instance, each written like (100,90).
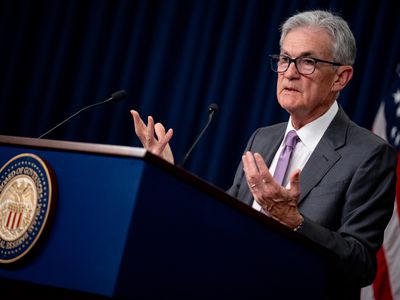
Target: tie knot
(291,139)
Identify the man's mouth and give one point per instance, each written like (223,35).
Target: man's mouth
(289,89)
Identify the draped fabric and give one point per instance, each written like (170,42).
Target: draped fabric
(174,58)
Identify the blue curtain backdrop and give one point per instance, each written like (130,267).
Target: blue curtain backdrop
(174,58)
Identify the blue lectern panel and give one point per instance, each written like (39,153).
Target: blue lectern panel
(186,244)
(96,198)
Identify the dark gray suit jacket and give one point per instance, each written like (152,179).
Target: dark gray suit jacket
(347,191)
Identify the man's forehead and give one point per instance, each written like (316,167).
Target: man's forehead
(307,41)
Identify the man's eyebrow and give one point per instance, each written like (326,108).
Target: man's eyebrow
(306,53)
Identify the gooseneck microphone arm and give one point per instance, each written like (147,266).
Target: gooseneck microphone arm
(212,109)
(117,96)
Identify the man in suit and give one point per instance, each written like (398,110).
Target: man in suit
(339,186)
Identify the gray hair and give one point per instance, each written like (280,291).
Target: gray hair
(343,42)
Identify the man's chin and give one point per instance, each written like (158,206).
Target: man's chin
(289,102)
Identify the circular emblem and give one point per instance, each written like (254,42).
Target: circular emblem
(25,202)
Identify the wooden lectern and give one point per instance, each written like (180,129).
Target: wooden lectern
(127,224)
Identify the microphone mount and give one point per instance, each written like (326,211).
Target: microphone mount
(212,109)
(117,96)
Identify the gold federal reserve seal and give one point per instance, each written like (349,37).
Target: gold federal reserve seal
(25,203)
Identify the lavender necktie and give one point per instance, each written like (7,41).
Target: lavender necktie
(284,157)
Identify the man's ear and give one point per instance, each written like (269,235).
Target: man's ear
(343,76)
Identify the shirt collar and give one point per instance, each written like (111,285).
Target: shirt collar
(311,133)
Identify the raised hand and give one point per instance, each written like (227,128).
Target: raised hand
(278,202)
(153,136)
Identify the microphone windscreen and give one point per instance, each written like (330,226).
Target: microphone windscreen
(119,95)
(213,107)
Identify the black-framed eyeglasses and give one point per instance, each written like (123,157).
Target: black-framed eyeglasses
(305,65)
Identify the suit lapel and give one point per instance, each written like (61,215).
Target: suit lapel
(273,144)
(325,154)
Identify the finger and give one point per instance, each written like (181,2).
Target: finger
(160,131)
(140,128)
(249,164)
(138,122)
(253,176)
(263,169)
(150,131)
(162,136)
(168,136)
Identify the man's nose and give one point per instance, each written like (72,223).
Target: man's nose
(292,71)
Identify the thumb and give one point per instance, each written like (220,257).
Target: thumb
(295,183)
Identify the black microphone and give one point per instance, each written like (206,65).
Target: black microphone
(117,96)
(212,109)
